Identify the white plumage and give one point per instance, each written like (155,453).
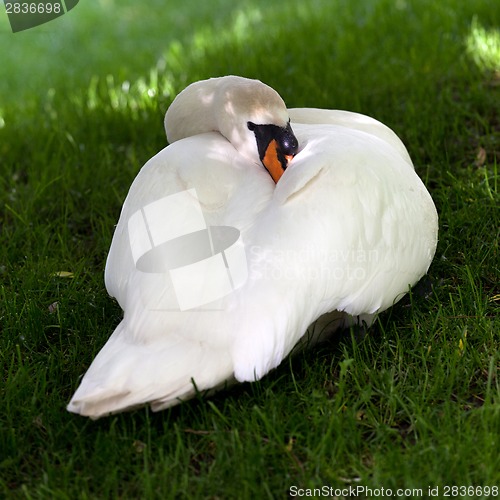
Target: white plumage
(348,229)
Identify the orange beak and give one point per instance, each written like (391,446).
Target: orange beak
(274,165)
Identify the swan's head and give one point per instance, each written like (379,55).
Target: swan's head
(248,113)
(277,145)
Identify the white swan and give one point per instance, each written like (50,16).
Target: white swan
(346,230)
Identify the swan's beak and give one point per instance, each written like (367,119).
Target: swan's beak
(277,146)
(274,161)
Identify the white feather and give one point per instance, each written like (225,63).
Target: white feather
(347,230)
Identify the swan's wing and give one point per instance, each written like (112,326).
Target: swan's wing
(159,353)
(350,228)
(382,220)
(349,120)
(205,169)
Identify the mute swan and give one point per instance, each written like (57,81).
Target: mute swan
(220,267)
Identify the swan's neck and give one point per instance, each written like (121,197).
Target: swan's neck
(225,105)
(192,111)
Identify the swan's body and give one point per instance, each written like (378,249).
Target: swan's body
(348,228)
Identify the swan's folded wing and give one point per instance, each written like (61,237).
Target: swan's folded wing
(352,121)
(207,169)
(351,227)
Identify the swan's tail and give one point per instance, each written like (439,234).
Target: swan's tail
(126,375)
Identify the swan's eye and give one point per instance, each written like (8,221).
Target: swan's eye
(287,141)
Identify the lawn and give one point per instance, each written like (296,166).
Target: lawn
(413,405)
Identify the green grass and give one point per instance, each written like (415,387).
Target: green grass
(415,404)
